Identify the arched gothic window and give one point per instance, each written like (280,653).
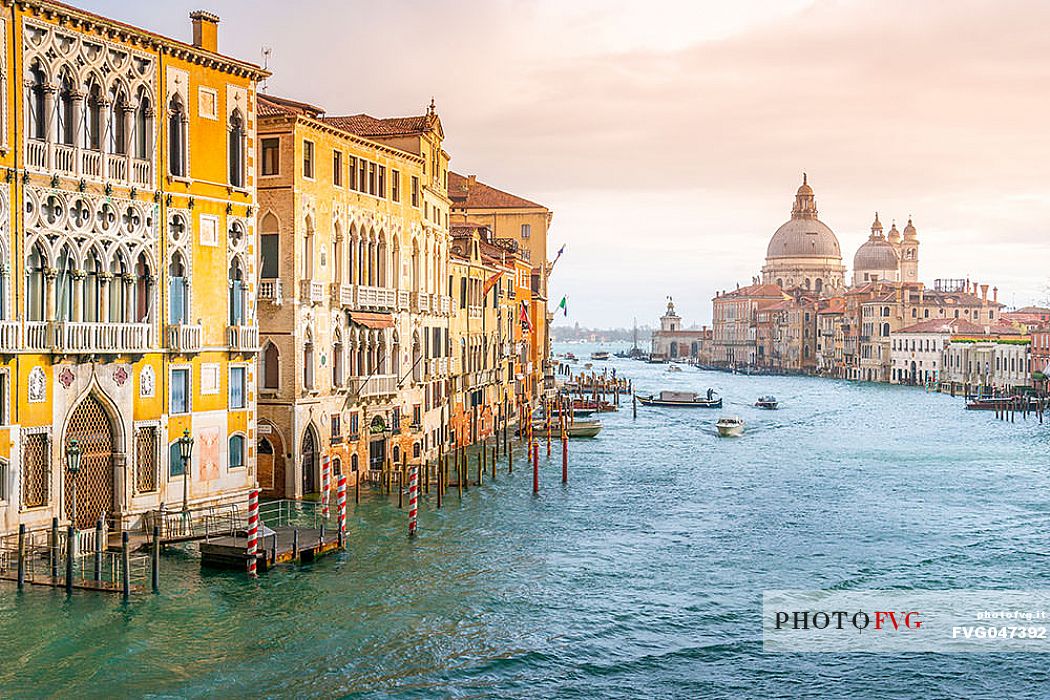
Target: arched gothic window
(143,289)
(176,137)
(117,126)
(271,366)
(143,127)
(92,126)
(35,289)
(119,303)
(236,293)
(236,149)
(64,287)
(37,103)
(178,290)
(92,286)
(64,112)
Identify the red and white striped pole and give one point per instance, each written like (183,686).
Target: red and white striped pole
(325,485)
(341,505)
(413,499)
(253,531)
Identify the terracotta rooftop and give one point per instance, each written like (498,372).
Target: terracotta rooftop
(755,290)
(959,326)
(271,105)
(467,192)
(365,125)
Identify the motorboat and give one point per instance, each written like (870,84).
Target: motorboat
(674,368)
(600,355)
(730,426)
(575,429)
(767,402)
(570,357)
(687,399)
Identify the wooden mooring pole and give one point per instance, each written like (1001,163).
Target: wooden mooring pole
(155,559)
(99,546)
(71,538)
(125,565)
(21,556)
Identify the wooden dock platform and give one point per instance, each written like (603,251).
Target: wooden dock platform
(276,547)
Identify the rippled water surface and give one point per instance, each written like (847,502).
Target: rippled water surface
(641,578)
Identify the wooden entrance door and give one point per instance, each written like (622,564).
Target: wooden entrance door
(90,426)
(309,453)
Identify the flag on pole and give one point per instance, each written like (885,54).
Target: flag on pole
(560,251)
(523,316)
(490,282)
(564,305)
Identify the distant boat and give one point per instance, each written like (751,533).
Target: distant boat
(686,399)
(990,403)
(674,368)
(600,355)
(730,426)
(767,402)
(576,429)
(570,357)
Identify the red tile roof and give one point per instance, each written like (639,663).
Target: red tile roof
(468,193)
(271,105)
(755,290)
(365,125)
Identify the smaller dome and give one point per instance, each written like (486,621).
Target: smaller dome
(909,231)
(894,235)
(876,254)
(876,225)
(805,189)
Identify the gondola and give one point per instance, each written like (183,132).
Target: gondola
(684,399)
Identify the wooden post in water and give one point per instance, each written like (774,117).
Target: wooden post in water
(21,556)
(99,545)
(494,454)
(155,559)
(357,486)
(54,549)
(71,538)
(535,467)
(634,405)
(459,472)
(295,544)
(481,464)
(125,565)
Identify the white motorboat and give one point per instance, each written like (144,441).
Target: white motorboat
(730,426)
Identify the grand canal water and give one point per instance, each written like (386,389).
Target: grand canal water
(642,578)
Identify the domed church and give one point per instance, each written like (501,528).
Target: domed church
(889,258)
(804,253)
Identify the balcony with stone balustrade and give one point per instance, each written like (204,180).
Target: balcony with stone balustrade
(184,337)
(311,292)
(242,338)
(271,290)
(88,337)
(375,386)
(88,163)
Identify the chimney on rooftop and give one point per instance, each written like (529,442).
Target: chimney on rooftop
(984,293)
(995,295)
(205,30)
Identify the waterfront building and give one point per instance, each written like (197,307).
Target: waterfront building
(511,217)
(997,359)
(804,252)
(1027,318)
(486,274)
(794,332)
(831,334)
(673,341)
(917,351)
(734,338)
(354,300)
(126,292)
(1040,349)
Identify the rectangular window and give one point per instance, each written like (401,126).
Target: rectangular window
(308,159)
(337,427)
(337,168)
(362,175)
(371,178)
(417,415)
(236,451)
(354,420)
(237,387)
(270,250)
(175,466)
(395,420)
(395,185)
(180,390)
(271,157)
(352,172)
(382,181)
(4,399)
(415,191)
(210,378)
(526,230)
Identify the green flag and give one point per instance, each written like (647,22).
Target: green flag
(564,305)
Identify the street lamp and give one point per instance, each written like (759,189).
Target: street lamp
(185,453)
(73,454)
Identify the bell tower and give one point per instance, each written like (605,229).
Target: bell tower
(670,321)
(910,254)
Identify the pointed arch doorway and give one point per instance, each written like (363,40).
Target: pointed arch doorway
(310,458)
(92,428)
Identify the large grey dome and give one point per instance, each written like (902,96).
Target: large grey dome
(802,238)
(804,235)
(876,254)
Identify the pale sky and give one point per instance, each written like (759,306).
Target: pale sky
(669,137)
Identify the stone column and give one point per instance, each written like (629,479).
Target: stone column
(50,292)
(104,278)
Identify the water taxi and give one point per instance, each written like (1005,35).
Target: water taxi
(686,399)
(730,426)
(674,368)
(767,402)
(600,355)
(576,429)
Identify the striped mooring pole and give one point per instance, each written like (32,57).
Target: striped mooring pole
(341,505)
(413,499)
(326,485)
(253,531)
